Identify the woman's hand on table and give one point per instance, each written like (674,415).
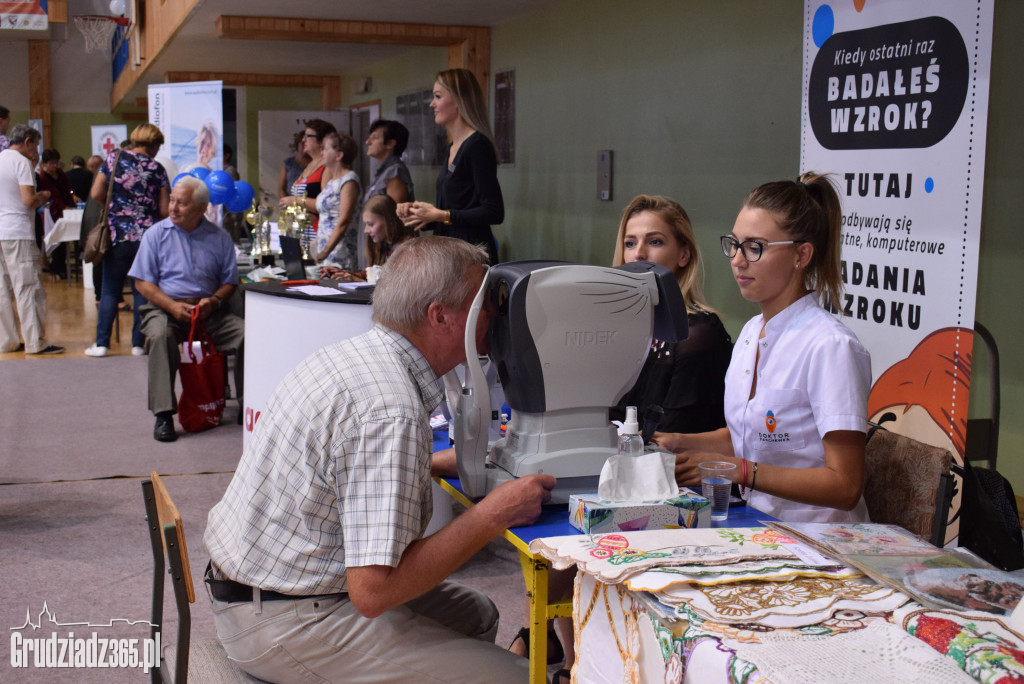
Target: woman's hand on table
(335,273)
(688,466)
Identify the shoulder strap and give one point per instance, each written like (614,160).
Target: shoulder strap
(110,185)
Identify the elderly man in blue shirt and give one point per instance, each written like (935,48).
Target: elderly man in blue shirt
(184,262)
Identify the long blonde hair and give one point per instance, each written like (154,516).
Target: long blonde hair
(676,218)
(469,98)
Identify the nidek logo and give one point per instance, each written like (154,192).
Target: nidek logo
(584,338)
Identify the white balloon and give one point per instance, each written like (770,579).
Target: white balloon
(170,167)
(117,7)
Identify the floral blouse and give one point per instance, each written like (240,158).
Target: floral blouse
(134,201)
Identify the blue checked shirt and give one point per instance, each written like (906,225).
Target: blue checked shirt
(183,264)
(337,471)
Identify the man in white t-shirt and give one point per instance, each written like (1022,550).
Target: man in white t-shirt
(19,256)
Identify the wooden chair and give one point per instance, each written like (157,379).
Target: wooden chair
(199,661)
(908,483)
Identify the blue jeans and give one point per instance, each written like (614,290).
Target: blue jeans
(116,264)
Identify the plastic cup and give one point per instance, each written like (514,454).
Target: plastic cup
(716,483)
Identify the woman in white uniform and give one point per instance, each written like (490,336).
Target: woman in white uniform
(797,386)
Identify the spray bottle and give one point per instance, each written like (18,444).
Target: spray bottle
(630,441)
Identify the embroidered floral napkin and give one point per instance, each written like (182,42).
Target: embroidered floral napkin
(613,557)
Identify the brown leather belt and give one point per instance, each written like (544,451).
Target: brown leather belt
(190,300)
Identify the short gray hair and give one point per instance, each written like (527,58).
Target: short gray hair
(200,193)
(422,271)
(23,133)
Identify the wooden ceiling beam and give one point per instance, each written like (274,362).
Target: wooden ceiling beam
(469,47)
(329,86)
(40,104)
(340,31)
(57,11)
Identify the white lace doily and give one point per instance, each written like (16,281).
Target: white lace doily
(879,653)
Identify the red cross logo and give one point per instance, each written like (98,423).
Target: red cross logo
(108,144)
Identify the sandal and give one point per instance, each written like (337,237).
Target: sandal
(560,675)
(555,652)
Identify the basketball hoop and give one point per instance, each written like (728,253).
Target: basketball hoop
(98,30)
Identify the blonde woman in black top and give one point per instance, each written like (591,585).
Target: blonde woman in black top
(469,198)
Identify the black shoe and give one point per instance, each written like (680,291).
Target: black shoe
(50,349)
(163,431)
(555,652)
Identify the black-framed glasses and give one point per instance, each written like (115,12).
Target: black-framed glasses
(309,135)
(751,249)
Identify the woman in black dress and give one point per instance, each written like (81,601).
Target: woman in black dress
(469,198)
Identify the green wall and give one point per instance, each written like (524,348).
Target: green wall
(701,101)
(399,76)
(1002,252)
(71,130)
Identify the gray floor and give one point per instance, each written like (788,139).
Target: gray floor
(76,443)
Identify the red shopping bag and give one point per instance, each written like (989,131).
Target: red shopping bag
(201,404)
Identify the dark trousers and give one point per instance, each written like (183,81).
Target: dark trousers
(164,334)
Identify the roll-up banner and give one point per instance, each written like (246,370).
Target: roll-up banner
(895,104)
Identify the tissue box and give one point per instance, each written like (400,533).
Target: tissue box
(590,514)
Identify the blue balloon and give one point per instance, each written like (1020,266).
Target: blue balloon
(200,172)
(179,177)
(244,194)
(221,185)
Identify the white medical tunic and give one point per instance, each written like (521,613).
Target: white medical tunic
(813,377)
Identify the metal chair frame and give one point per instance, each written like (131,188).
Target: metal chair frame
(170,556)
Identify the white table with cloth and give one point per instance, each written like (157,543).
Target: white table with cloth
(65,229)
(752,605)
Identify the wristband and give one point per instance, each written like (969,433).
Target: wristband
(447,218)
(220,302)
(753,478)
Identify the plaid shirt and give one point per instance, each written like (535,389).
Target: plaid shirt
(337,470)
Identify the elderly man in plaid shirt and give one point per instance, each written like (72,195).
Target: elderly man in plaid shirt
(319,570)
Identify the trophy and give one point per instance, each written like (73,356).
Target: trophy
(297,224)
(251,217)
(264,230)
